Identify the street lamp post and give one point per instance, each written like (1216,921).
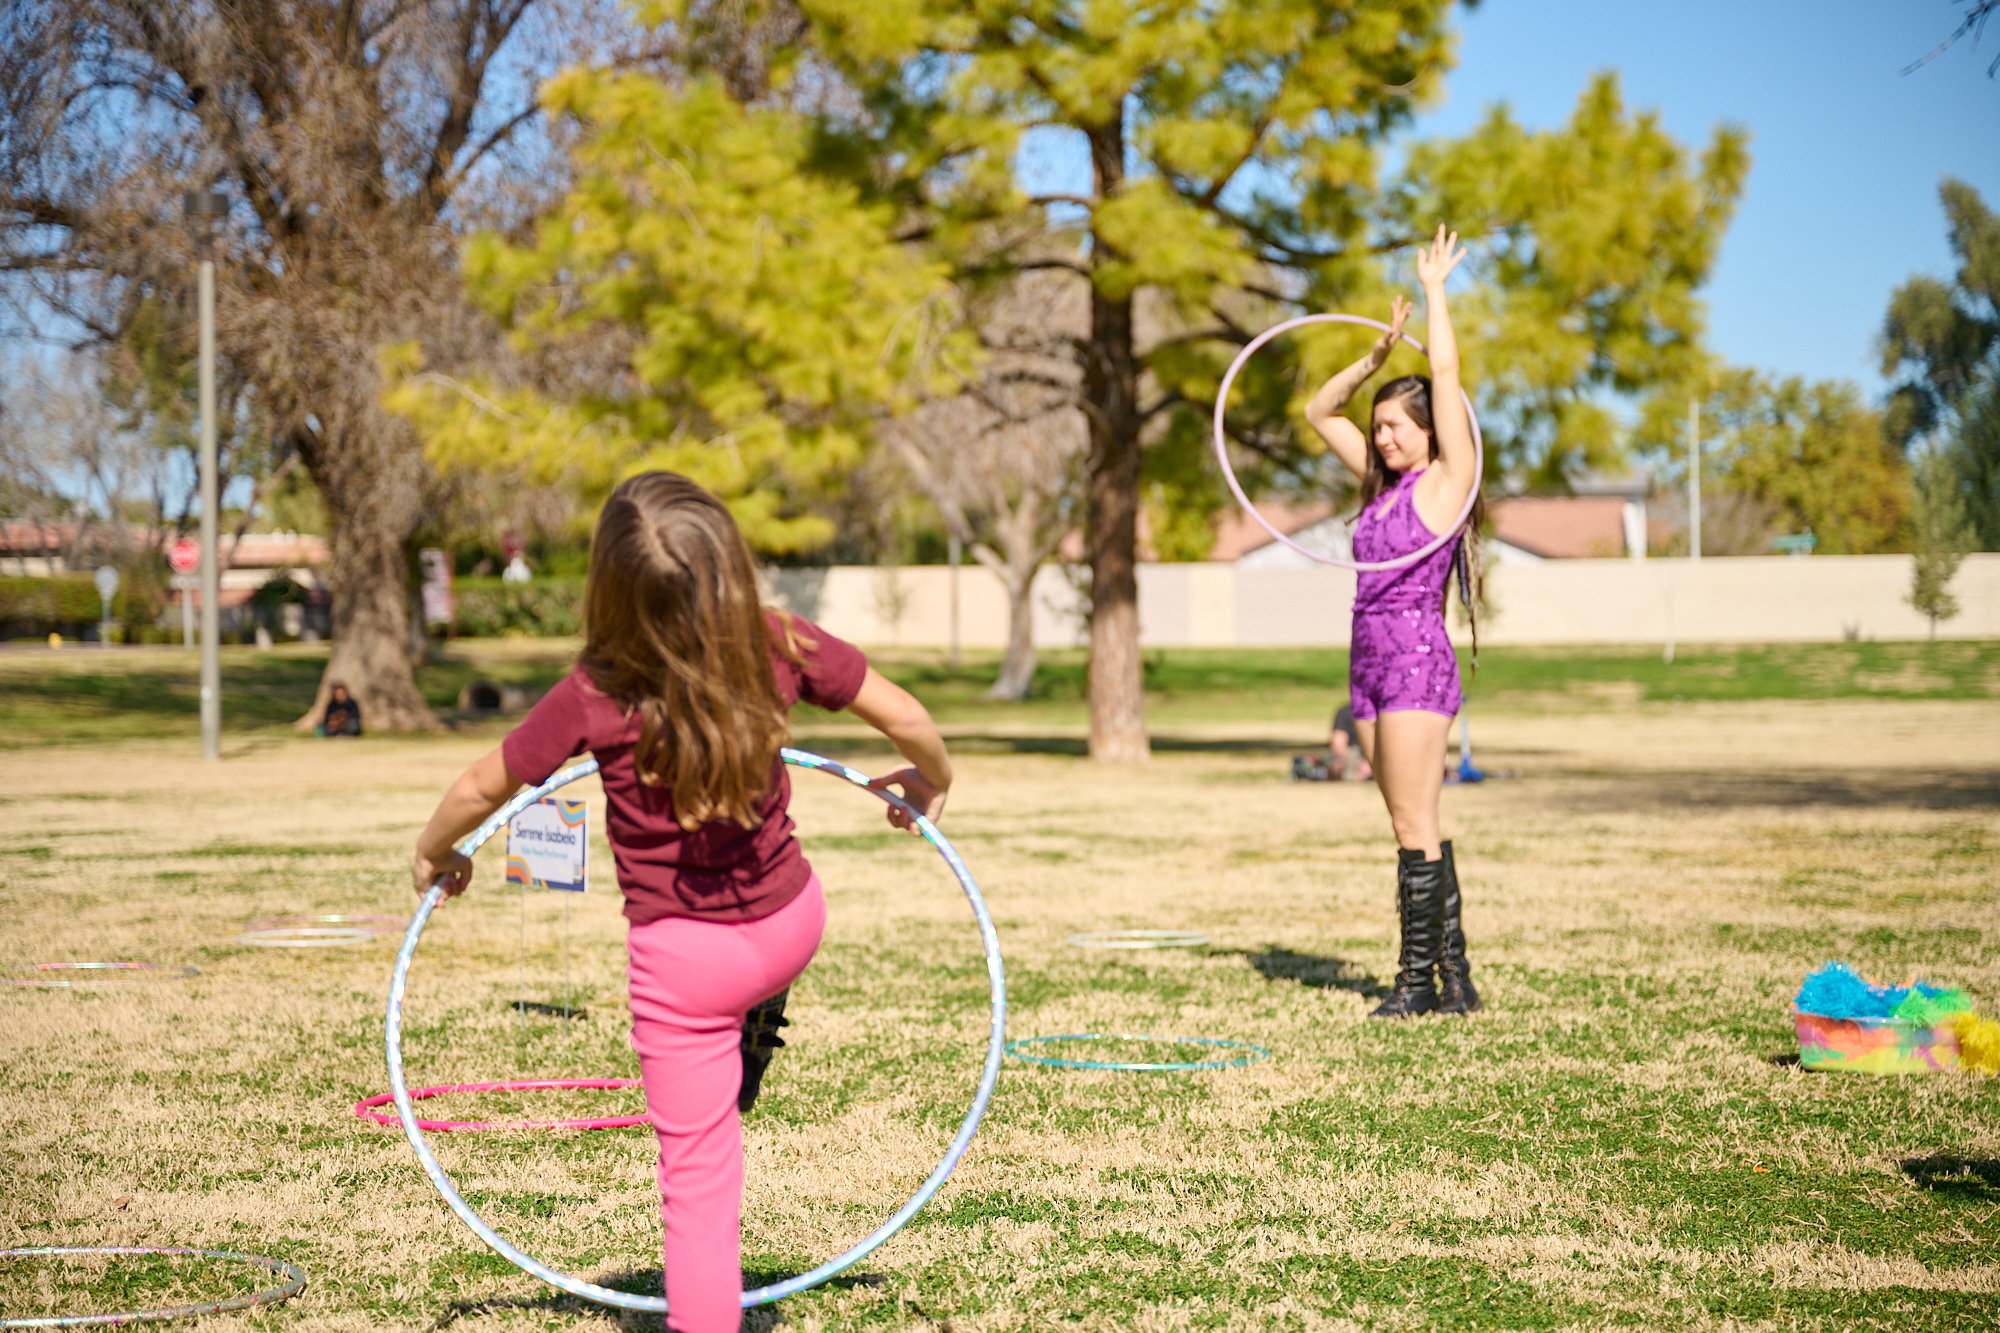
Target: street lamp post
(204,209)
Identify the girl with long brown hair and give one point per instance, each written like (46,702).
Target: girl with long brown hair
(682,693)
(1417,467)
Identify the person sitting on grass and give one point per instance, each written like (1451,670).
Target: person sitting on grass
(1345,760)
(682,693)
(343,714)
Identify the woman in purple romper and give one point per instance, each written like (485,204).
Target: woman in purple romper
(1417,468)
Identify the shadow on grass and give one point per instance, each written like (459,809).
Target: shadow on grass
(1851,789)
(577,1012)
(645,1282)
(1958,1179)
(1314,970)
(112,696)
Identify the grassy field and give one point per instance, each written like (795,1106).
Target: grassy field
(81,695)
(1621,1140)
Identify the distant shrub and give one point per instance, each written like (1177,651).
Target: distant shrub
(492,609)
(36,606)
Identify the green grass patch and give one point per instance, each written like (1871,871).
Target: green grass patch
(81,696)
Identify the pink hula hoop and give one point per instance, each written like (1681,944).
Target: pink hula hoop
(363,1108)
(1236,488)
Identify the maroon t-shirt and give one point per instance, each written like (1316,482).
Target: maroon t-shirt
(721,871)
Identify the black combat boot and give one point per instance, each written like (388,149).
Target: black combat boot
(1420,907)
(760,1041)
(1455,991)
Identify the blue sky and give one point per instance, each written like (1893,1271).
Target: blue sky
(1841,204)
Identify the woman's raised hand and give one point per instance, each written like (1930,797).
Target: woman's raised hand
(1439,258)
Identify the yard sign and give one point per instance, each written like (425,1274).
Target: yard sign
(548,845)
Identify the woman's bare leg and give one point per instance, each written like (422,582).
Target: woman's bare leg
(1408,755)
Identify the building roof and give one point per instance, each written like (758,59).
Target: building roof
(256,550)
(1237,534)
(273,550)
(1559,527)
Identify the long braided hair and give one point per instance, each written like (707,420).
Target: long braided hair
(1414,393)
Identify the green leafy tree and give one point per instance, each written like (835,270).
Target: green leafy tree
(1813,455)
(1233,178)
(1943,340)
(1599,235)
(1229,149)
(1943,535)
(760,314)
(1976,455)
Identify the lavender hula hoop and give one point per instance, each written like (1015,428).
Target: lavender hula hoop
(94,974)
(590,1291)
(295,1282)
(1236,487)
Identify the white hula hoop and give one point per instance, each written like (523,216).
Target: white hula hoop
(989,1073)
(1236,487)
(305,937)
(1139,939)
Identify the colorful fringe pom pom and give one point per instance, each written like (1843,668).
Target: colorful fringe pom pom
(1838,991)
(1978,1043)
(1928,1009)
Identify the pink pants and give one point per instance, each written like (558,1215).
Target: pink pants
(692,983)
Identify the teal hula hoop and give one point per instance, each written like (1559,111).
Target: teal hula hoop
(590,1291)
(1251,1052)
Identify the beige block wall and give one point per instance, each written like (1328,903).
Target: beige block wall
(1758,599)
(1755,599)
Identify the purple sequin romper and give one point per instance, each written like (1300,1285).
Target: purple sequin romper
(1401,657)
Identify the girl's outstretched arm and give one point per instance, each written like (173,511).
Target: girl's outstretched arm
(479,791)
(893,711)
(1454,429)
(1323,412)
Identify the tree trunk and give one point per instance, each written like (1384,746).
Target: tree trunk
(1111,395)
(374,499)
(1017,669)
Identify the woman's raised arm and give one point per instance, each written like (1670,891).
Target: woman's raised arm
(1456,466)
(1323,412)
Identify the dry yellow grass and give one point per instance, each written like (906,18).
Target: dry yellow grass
(1611,1143)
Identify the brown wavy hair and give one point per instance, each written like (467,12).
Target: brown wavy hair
(1414,393)
(674,630)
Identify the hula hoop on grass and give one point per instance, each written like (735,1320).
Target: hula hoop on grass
(361,1108)
(1139,939)
(989,1075)
(113,974)
(305,937)
(1236,487)
(295,1282)
(373,924)
(1251,1052)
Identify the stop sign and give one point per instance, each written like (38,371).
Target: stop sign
(184,554)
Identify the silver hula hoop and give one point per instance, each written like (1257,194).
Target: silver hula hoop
(1139,939)
(54,975)
(305,937)
(295,1282)
(1236,487)
(590,1291)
